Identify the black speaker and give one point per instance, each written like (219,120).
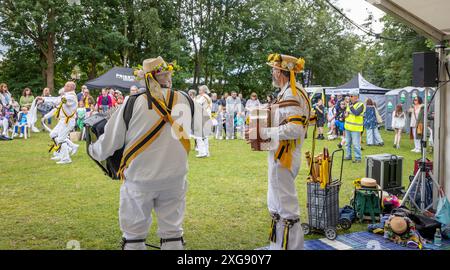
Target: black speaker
(425,69)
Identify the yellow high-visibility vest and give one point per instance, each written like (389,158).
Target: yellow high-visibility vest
(353,122)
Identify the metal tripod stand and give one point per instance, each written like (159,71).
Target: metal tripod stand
(421,175)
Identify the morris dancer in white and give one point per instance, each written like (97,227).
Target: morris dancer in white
(203,121)
(154,163)
(289,125)
(65,113)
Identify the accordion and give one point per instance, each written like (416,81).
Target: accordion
(259,118)
(95,127)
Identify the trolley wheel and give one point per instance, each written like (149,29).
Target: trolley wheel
(306,228)
(330,233)
(345,223)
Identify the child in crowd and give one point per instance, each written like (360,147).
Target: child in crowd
(320,112)
(93,110)
(339,122)
(22,122)
(4,120)
(398,123)
(81,115)
(221,116)
(240,123)
(331,121)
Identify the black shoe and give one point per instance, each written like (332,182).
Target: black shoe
(356,161)
(339,145)
(395,146)
(381,144)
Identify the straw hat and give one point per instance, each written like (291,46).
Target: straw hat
(286,62)
(398,225)
(369,182)
(155,66)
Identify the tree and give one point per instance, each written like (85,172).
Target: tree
(95,39)
(19,69)
(388,62)
(42,23)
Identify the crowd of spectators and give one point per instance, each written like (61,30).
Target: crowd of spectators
(346,117)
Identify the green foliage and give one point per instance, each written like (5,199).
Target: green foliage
(223,44)
(19,70)
(388,63)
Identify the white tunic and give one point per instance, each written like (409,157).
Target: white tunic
(70,107)
(163,165)
(289,131)
(202,123)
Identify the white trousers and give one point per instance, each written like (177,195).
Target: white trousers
(61,136)
(202,146)
(282,199)
(135,214)
(229,126)
(5,124)
(219,131)
(417,144)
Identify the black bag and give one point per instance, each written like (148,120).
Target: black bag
(425,226)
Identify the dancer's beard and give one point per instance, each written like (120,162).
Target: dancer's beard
(275,84)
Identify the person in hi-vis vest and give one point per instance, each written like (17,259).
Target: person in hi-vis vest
(354,125)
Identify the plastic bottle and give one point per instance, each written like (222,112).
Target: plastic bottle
(438,238)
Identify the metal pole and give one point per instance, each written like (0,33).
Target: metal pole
(440,123)
(423,142)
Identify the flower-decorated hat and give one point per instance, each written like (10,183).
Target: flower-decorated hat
(157,66)
(151,68)
(287,63)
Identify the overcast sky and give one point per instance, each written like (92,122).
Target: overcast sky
(358,11)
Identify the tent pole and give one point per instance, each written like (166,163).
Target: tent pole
(441,157)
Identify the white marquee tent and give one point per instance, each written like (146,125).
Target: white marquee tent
(430,18)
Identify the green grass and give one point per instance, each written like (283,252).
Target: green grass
(44,205)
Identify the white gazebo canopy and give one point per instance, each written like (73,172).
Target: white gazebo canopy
(431,19)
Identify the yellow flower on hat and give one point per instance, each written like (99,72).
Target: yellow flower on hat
(300,64)
(286,62)
(274,57)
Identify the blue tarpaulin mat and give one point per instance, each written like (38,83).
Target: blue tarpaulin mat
(363,241)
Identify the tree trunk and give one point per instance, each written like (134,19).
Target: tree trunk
(50,59)
(50,55)
(196,71)
(43,65)
(93,70)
